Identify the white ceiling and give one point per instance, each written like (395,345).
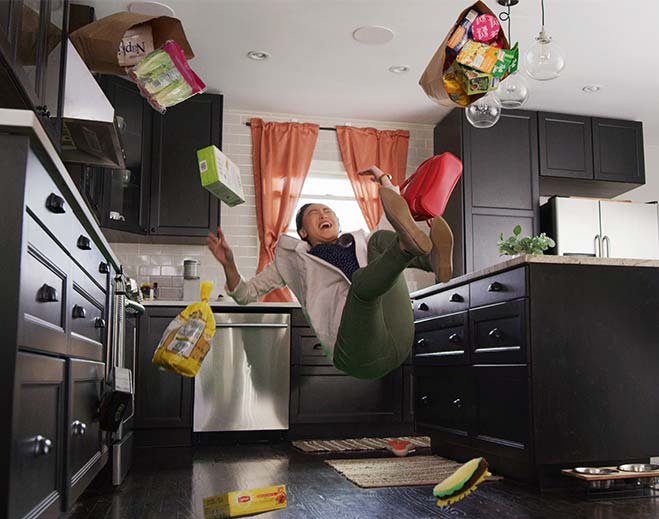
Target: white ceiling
(317,68)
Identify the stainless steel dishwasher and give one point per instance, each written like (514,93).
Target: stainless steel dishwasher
(243,383)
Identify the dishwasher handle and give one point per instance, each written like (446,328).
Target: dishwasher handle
(251,325)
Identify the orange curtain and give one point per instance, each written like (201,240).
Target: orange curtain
(281,156)
(364,147)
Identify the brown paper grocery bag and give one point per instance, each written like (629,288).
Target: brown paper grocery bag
(431,79)
(98,42)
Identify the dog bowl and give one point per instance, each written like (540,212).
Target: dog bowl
(639,467)
(595,471)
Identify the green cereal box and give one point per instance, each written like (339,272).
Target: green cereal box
(220,176)
(473,81)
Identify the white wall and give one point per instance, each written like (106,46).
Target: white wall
(163,263)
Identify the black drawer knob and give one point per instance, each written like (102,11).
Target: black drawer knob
(99,322)
(495,287)
(43,110)
(103,268)
(42,445)
(456,298)
(84,243)
(317,346)
(78,312)
(47,294)
(458,403)
(496,333)
(455,338)
(423,307)
(55,204)
(78,428)
(425,400)
(421,342)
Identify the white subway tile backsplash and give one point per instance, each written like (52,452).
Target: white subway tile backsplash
(149,270)
(171,271)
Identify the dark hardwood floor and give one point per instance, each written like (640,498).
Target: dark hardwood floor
(171,483)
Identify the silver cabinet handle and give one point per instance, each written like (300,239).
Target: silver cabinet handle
(598,246)
(250,325)
(42,445)
(79,428)
(607,245)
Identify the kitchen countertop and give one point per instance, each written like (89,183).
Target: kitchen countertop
(535,258)
(26,122)
(225,303)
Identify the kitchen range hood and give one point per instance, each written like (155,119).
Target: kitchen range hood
(90,133)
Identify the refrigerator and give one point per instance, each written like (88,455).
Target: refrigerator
(602,228)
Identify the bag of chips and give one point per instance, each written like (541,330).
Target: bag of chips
(187,339)
(165,78)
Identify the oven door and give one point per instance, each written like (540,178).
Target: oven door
(130,350)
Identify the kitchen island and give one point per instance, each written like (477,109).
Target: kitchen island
(541,363)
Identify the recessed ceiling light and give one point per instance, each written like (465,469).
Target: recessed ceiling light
(399,69)
(592,89)
(258,55)
(373,34)
(151,9)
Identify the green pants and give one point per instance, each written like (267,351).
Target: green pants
(377,325)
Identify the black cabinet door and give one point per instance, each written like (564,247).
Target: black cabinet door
(501,163)
(618,150)
(566,145)
(35,485)
(444,399)
(163,399)
(180,206)
(501,406)
(327,395)
(126,191)
(484,231)
(85,441)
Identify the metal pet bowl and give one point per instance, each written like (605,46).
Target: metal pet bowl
(640,468)
(602,484)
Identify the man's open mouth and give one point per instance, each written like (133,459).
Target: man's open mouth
(326,225)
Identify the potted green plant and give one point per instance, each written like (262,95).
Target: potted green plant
(514,245)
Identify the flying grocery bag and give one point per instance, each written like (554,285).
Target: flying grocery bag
(187,339)
(429,188)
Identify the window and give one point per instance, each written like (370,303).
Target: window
(327,183)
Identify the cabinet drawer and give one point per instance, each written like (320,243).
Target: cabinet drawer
(85,251)
(47,203)
(37,443)
(298,319)
(451,301)
(307,349)
(442,341)
(444,399)
(326,395)
(44,279)
(500,287)
(88,320)
(84,436)
(498,333)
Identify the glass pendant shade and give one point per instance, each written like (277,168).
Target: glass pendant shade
(485,112)
(545,60)
(513,91)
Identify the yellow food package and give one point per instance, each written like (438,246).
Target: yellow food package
(245,502)
(453,87)
(187,339)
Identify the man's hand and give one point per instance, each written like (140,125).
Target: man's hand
(220,248)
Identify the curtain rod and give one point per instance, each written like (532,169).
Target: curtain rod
(329,129)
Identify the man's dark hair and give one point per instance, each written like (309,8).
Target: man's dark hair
(300,216)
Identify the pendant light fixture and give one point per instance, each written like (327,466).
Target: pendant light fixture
(513,92)
(485,112)
(545,60)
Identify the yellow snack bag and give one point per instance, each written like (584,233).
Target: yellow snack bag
(187,339)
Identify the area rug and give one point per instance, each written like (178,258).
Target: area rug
(355,444)
(396,472)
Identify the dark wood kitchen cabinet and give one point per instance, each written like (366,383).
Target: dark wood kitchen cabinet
(33,54)
(589,156)
(555,370)
(499,185)
(159,193)
(163,399)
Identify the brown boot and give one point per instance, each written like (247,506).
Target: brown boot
(441,255)
(413,239)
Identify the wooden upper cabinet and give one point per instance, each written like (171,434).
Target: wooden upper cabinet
(503,162)
(180,206)
(618,150)
(566,148)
